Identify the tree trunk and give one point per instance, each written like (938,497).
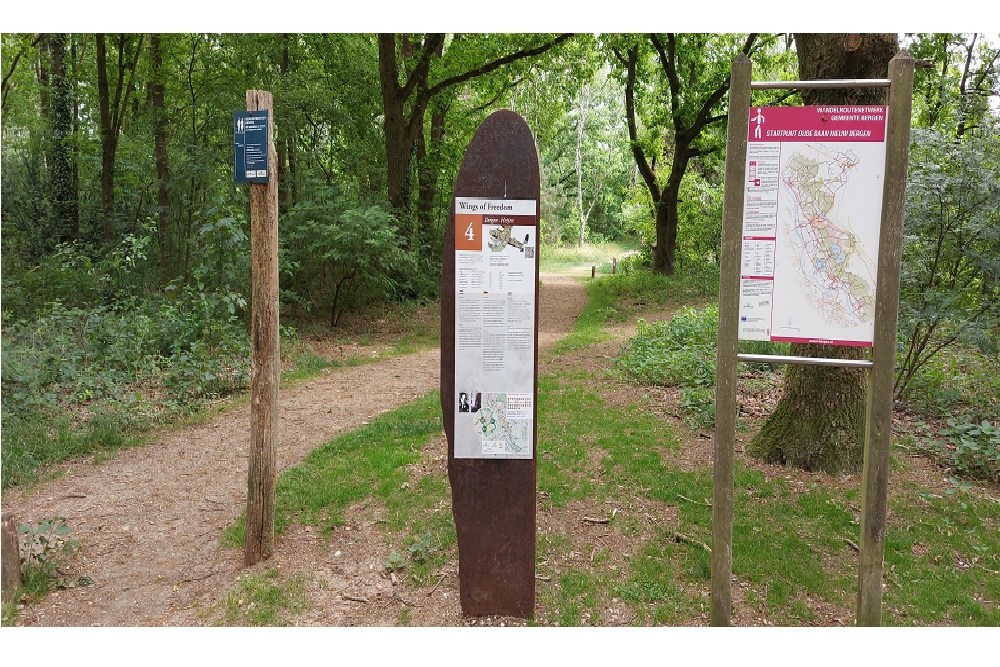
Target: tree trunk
(107,141)
(819,422)
(62,187)
(112,116)
(428,170)
(581,120)
(156,95)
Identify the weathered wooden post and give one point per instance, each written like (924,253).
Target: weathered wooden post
(264,365)
(593,271)
(10,558)
(489,355)
(614,265)
(878,427)
(725,376)
(875,140)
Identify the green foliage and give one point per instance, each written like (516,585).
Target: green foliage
(950,281)
(42,544)
(680,352)
(44,547)
(971,449)
(80,376)
(265,600)
(338,255)
(699,406)
(958,381)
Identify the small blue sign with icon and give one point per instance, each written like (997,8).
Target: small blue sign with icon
(250,146)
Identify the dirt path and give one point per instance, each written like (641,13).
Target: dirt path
(150,520)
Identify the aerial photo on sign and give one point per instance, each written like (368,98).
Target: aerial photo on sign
(495,243)
(812,210)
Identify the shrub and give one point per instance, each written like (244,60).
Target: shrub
(680,352)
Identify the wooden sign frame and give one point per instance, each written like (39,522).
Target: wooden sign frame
(880,368)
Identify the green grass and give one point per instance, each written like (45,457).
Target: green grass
(613,299)
(33,442)
(571,259)
(265,599)
(370,461)
(788,544)
(942,559)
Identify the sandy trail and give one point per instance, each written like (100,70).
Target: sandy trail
(150,520)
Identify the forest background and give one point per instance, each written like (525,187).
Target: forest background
(125,239)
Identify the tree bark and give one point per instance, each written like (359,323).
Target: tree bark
(112,117)
(65,224)
(265,364)
(11,565)
(156,96)
(819,421)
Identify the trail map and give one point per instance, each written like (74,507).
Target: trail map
(812,210)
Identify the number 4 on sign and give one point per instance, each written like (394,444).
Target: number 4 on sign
(470,233)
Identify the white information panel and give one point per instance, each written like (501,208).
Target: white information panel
(495,328)
(812,210)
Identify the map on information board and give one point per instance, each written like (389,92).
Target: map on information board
(812,211)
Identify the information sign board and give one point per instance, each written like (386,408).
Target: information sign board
(495,243)
(812,210)
(250,146)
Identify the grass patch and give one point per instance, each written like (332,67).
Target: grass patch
(613,299)
(34,441)
(569,259)
(942,556)
(265,600)
(369,461)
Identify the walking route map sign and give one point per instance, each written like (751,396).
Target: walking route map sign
(495,243)
(812,209)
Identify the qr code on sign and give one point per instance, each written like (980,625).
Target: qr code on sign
(529,252)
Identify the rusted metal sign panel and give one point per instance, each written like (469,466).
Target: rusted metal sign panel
(489,358)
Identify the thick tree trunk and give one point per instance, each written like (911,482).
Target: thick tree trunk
(398,143)
(112,116)
(156,96)
(819,422)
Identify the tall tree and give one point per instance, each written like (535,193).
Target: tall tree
(113,110)
(62,172)
(413,69)
(819,422)
(697,83)
(157,101)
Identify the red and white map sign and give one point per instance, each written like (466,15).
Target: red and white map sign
(811,216)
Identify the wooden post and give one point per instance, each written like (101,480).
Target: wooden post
(593,271)
(11,558)
(264,365)
(725,375)
(878,428)
(614,265)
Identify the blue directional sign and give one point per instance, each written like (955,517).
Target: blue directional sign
(250,146)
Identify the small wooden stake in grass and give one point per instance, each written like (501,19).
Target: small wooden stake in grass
(11,579)
(264,348)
